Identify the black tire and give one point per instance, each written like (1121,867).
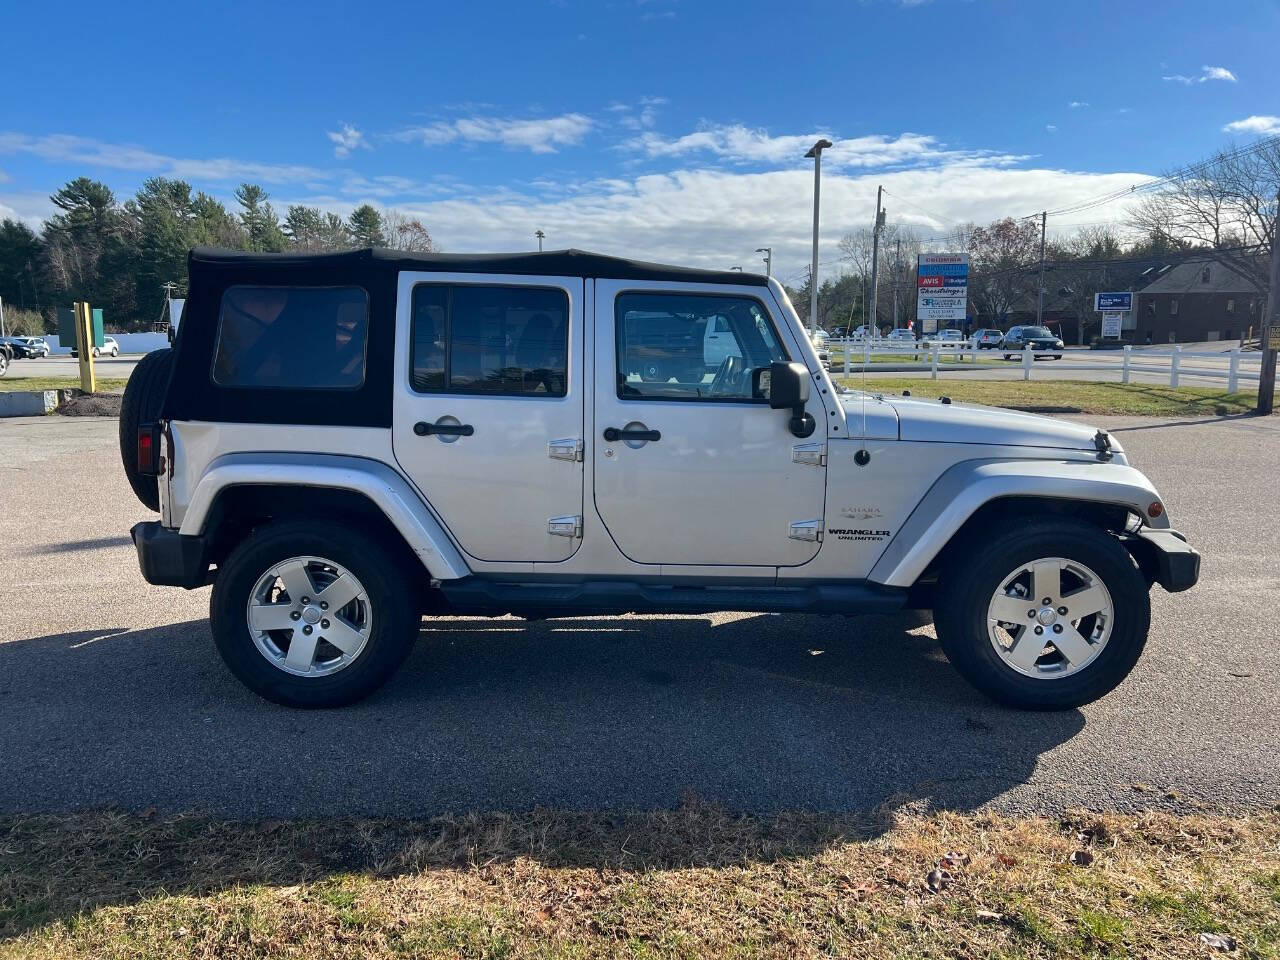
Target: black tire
(143,395)
(967,585)
(394,611)
(4,362)
(1057,356)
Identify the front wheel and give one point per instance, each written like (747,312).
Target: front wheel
(115,352)
(1048,616)
(312,615)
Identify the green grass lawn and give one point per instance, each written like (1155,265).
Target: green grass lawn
(691,882)
(10,382)
(1070,396)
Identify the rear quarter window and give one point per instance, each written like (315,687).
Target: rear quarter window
(300,338)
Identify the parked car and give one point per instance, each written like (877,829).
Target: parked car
(950,335)
(109,345)
(27,348)
(1041,340)
(988,338)
(329,456)
(901,333)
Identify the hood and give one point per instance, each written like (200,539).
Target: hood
(924,420)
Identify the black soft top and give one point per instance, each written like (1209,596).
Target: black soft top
(552,263)
(193,395)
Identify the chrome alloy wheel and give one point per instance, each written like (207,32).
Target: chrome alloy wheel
(1050,618)
(309,616)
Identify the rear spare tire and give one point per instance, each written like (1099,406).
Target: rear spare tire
(143,395)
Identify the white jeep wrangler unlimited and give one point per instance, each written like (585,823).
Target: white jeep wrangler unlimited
(343,443)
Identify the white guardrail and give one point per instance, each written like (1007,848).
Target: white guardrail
(927,355)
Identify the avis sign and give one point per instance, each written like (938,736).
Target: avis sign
(942,289)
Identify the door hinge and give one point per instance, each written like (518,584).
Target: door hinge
(810,530)
(567,449)
(814,454)
(565,527)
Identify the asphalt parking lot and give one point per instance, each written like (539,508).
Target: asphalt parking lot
(111,692)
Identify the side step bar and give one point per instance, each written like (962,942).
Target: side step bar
(538,600)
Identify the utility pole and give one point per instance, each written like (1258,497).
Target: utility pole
(1271,326)
(1040,300)
(875,260)
(816,153)
(768,260)
(897,279)
(539,234)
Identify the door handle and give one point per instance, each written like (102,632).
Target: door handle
(424,429)
(614,434)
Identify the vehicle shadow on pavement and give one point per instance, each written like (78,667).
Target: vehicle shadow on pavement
(756,713)
(618,743)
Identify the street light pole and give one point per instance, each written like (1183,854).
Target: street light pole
(539,234)
(768,259)
(1040,299)
(816,153)
(875,261)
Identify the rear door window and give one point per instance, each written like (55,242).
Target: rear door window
(299,338)
(504,341)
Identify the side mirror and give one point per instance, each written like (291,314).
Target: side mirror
(786,386)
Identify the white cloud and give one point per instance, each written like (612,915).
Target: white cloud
(1206,74)
(715,218)
(1077,104)
(537,135)
(1261,124)
(66,148)
(346,140)
(639,116)
(743,145)
(1050,128)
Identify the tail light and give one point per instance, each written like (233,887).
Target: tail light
(149,449)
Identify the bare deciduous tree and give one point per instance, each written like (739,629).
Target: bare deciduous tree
(1227,202)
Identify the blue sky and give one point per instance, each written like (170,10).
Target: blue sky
(667,129)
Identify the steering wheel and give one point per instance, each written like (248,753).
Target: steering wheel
(728,376)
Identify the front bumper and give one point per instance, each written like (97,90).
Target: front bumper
(1167,558)
(167,558)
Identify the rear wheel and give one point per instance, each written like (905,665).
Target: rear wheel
(1047,616)
(312,615)
(143,395)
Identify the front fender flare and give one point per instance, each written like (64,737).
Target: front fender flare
(383,486)
(967,486)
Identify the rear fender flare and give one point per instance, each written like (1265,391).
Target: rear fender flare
(965,487)
(376,481)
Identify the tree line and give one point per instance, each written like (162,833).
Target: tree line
(120,256)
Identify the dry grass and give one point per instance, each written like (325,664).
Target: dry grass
(1071,396)
(691,882)
(18,382)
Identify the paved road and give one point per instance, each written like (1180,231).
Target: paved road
(120,367)
(111,692)
(1068,368)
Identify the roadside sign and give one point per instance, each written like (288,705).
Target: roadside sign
(1111,322)
(942,288)
(1120,302)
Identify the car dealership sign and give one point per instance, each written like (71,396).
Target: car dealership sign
(942,288)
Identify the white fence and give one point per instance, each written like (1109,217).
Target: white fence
(931,356)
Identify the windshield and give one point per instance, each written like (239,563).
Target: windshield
(1037,332)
